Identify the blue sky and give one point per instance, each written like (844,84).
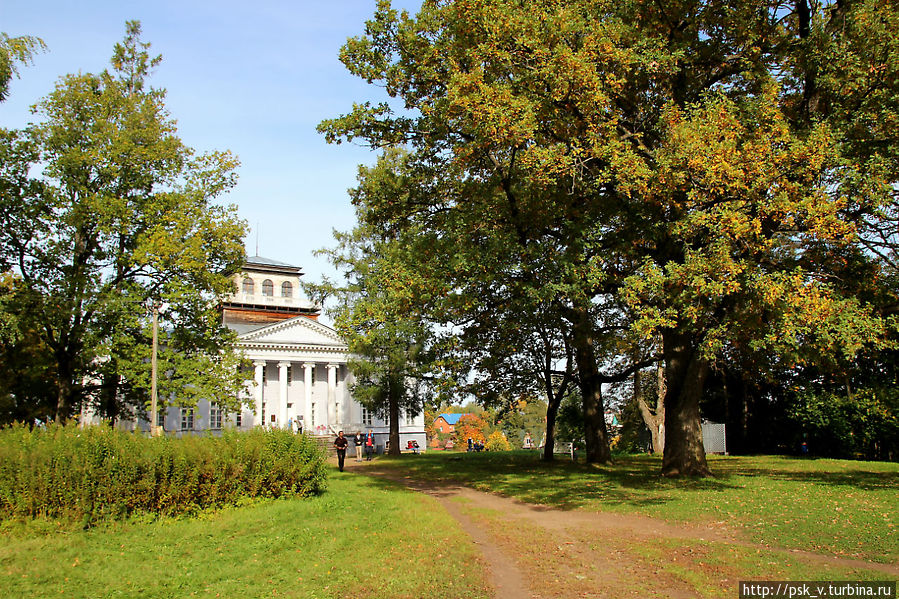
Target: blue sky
(251,77)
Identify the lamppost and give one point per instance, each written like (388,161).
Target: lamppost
(154,427)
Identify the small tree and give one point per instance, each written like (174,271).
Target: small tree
(376,312)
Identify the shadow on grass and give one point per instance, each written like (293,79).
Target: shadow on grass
(630,481)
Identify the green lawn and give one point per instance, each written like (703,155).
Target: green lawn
(361,538)
(831,506)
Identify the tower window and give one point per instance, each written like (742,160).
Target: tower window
(248,286)
(286,289)
(268,288)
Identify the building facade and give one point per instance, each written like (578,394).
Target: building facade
(300,377)
(297,377)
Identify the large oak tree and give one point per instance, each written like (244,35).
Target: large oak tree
(712,166)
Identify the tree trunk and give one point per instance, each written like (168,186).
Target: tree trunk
(109,394)
(653,419)
(66,392)
(685,374)
(552,410)
(394,390)
(596,437)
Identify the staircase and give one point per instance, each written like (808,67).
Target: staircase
(326,442)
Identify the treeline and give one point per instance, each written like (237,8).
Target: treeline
(91,474)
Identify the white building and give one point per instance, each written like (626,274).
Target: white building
(298,373)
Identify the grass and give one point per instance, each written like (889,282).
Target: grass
(839,507)
(361,537)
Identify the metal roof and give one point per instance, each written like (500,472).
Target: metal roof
(451,419)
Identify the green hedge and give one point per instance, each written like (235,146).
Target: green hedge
(97,473)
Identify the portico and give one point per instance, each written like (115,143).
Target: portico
(297,365)
(298,382)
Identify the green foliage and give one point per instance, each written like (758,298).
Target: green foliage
(836,425)
(15,50)
(376,312)
(720,176)
(524,417)
(93,473)
(106,211)
(570,423)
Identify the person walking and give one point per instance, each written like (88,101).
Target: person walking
(369,444)
(358,440)
(340,444)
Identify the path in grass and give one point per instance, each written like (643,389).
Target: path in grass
(539,551)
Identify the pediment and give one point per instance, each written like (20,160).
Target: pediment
(299,330)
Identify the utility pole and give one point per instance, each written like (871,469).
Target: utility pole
(154,429)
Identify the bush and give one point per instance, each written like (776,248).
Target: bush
(98,473)
(497,442)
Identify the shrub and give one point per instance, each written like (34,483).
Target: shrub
(98,473)
(497,442)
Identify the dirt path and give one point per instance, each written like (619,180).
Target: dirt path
(541,552)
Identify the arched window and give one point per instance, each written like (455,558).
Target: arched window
(268,288)
(286,289)
(248,286)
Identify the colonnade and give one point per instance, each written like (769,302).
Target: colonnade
(332,414)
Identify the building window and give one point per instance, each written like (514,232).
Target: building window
(286,289)
(366,416)
(313,375)
(160,418)
(215,417)
(238,421)
(268,288)
(410,418)
(312,416)
(248,286)
(289,374)
(187,419)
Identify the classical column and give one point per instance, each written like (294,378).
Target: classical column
(307,406)
(333,407)
(282,391)
(260,365)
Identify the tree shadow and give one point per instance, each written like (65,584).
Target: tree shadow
(631,481)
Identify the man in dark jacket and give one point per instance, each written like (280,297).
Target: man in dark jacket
(340,444)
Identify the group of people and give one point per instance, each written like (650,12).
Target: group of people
(366,442)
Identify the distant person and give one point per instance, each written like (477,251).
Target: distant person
(340,444)
(290,424)
(358,440)
(369,445)
(415,447)
(470,444)
(528,443)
